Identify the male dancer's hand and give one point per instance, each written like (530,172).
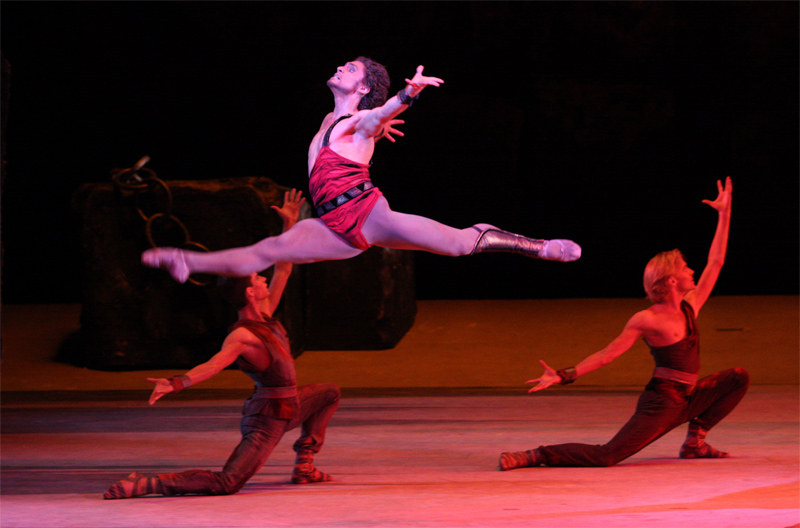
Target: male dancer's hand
(419,81)
(163,386)
(290,212)
(389,129)
(723,202)
(550,377)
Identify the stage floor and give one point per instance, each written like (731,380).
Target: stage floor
(421,460)
(416,439)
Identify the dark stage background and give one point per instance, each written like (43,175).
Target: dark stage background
(606,123)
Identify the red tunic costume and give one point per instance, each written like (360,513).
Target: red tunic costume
(342,192)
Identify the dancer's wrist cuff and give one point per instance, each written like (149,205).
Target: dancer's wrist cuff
(180,382)
(404,97)
(568,375)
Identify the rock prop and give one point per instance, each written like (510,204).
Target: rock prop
(134,317)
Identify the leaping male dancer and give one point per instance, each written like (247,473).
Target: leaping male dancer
(674,395)
(353,214)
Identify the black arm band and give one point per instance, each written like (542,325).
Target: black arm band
(180,382)
(406,99)
(568,375)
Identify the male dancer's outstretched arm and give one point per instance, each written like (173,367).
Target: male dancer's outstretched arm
(292,202)
(374,120)
(719,247)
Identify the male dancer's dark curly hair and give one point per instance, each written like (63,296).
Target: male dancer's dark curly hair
(377,80)
(233,289)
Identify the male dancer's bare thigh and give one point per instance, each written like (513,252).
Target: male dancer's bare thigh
(387,228)
(309,240)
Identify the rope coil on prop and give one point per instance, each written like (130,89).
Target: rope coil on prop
(144,183)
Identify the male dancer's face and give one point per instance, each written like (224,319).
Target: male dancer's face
(348,78)
(684,276)
(259,285)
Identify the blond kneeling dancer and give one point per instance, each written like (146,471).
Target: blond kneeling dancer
(674,395)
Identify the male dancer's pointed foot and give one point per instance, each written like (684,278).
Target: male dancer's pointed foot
(701,451)
(306,475)
(561,250)
(135,485)
(517,459)
(493,240)
(171,259)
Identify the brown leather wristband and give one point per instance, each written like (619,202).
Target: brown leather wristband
(180,382)
(568,375)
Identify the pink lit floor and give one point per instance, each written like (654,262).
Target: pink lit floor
(420,452)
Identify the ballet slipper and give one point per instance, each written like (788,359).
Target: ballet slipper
(171,259)
(560,250)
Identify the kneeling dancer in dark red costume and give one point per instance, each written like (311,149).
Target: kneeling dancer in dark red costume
(674,395)
(260,347)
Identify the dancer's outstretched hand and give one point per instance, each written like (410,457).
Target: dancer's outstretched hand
(389,129)
(290,212)
(549,377)
(420,81)
(723,202)
(163,386)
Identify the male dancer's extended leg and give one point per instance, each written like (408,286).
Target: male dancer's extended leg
(656,414)
(387,228)
(308,241)
(260,435)
(311,240)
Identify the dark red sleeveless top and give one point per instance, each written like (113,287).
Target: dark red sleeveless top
(685,354)
(280,372)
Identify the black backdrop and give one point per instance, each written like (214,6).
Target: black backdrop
(606,123)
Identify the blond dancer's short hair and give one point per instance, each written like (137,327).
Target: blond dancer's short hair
(658,270)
